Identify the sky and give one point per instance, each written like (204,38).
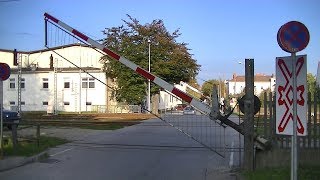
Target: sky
(220,34)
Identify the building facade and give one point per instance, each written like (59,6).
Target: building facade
(168,101)
(261,82)
(48,80)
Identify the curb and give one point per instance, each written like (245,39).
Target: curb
(14,162)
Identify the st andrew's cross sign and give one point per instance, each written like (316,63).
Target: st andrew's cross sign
(284,95)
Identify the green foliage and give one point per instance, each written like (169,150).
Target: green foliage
(208,85)
(311,83)
(280,173)
(312,87)
(262,96)
(264,174)
(29,148)
(193,93)
(170,60)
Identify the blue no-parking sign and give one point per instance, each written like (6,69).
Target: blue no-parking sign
(293,37)
(4,71)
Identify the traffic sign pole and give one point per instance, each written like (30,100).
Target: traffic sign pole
(294,161)
(1,119)
(293,37)
(4,75)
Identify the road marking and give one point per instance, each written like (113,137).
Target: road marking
(61,152)
(231,156)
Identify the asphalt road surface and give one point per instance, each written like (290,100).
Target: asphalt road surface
(150,150)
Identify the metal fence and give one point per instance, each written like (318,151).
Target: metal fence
(197,126)
(116,109)
(265,124)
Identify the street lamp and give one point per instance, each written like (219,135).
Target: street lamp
(235,81)
(148,98)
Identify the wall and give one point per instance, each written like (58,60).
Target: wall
(75,98)
(34,95)
(168,101)
(239,87)
(79,55)
(6,57)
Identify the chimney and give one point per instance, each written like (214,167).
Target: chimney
(51,62)
(15,57)
(234,76)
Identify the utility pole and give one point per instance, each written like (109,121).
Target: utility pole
(1,120)
(55,86)
(149,70)
(249,116)
(19,81)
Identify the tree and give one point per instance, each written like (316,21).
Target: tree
(208,85)
(262,96)
(312,87)
(170,60)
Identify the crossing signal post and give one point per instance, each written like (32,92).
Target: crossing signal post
(249,116)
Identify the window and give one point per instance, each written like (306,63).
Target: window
(88,103)
(91,83)
(88,82)
(12,83)
(66,103)
(84,82)
(45,103)
(45,83)
(23,103)
(12,103)
(22,84)
(66,85)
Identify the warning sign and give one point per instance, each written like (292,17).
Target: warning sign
(284,95)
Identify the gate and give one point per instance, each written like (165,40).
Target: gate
(193,123)
(196,123)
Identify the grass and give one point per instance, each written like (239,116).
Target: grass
(29,148)
(304,173)
(106,126)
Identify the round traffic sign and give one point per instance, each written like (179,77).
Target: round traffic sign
(4,71)
(293,37)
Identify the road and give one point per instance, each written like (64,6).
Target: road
(150,150)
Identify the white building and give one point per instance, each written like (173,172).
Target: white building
(169,101)
(261,82)
(59,86)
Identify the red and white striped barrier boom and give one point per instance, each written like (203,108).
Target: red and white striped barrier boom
(194,102)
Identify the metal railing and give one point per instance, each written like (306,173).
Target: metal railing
(116,109)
